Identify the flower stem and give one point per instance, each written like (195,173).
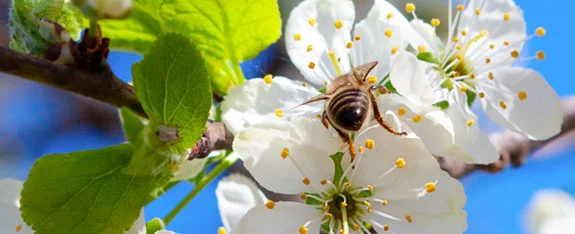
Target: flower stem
(344,219)
(225,164)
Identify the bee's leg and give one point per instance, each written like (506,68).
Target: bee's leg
(379,118)
(347,139)
(324,120)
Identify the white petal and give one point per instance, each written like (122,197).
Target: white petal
(549,204)
(284,218)
(255,101)
(139,227)
(323,36)
(437,212)
(539,116)
(562,225)
(309,145)
(426,31)
(189,169)
(476,147)
(10,219)
(410,78)
(373,165)
(236,195)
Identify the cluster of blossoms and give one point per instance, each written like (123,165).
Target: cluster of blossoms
(394,184)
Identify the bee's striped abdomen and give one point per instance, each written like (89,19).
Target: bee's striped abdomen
(348,109)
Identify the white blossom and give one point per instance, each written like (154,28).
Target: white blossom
(551,211)
(236,195)
(114,9)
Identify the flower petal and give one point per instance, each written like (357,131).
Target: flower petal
(313,22)
(189,169)
(236,195)
(284,218)
(538,116)
(377,166)
(411,79)
(475,145)
(547,205)
(306,144)
(426,31)
(10,220)
(256,100)
(139,227)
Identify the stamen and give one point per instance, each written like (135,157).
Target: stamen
(386,227)
(176,168)
(279,113)
(302,230)
(303,196)
(421,48)
(297,36)
(522,95)
(270,204)
(285,153)
(361,149)
(540,31)
(490,75)
(304,84)
(306,181)
(401,111)
(456,39)
(435,22)
(222,230)
(268,79)
(338,24)
(502,105)
(370,187)
(389,15)
(417,118)
(481,95)
(470,122)
(384,203)
(331,55)
(312,22)
(408,218)
(372,79)
(492,46)
(400,163)
(460,7)
(477,11)
(349,45)
(506,17)
(409,7)
(311,65)
(458,47)
(463,89)
(388,33)
(368,210)
(430,187)
(506,43)
(366,203)
(394,49)
(463,33)
(357,37)
(540,55)
(343,204)
(515,54)
(459,56)
(309,48)
(318,116)
(369,143)
(487,60)
(356,227)
(472,76)
(323,182)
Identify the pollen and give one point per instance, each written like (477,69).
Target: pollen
(302,229)
(389,15)
(370,187)
(540,55)
(279,113)
(506,16)
(401,111)
(470,122)
(303,196)
(268,79)
(349,45)
(18,227)
(435,22)
(481,95)
(361,149)
(400,163)
(311,22)
(297,36)
(487,60)
(305,181)
(408,218)
(338,24)
(285,153)
(309,48)
(430,187)
(270,204)
(522,95)
(369,143)
(477,11)
(490,75)
(515,54)
(540,31)
(384,203)
(394,49)
(456,39)
(417,118)
(460,7)
(492,46)
(409,7)
(311,65)
(421,48)
(386,227)
(463,33)
(372,79)
(502,105)
(357,37)
(463,89)
(388,33)
(343,204)
(323,182)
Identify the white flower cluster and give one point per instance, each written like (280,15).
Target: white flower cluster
(425,87)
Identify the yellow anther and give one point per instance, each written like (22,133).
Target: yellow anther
(325,83)
(484,33)
(329,215)
(285,153)
(435,22)
(311,65)
(302,229)
(471,76)
(367,203)
(506,16)
(369,143)
(456,39)
(456,74)
(388,33)
(361,149)
(343,204)
(305,181)
(309,48)
(357,37)
(463,89)
(279,113)
(430,187)
(303,196)
(356,227)
(417,118)
(384,202)
(490,75)
(421,48)
(370,187)
(368,210)
(318,116)
(487,60)
(394,49)
(401,111)
(400,163)
(503,105)
(222,230)
(304,84)
(477,11)
(409,7)
(341,231)
(372,79)
(311,22)
(389,15)
(18,227)
(323,182)
(522,95)
(176,168)
(325,208)
(540,55)
(338,24)
(386,227)
(481,95)
(470,122)
(464,33)
(270,204)
(347,184)
(492,46)
(408,218)
(268,79)
(458,47)
(540,31)
(349,45)
(515,54)
(331,55)
(459,56)
(460,7)
(506,43)
(297,36)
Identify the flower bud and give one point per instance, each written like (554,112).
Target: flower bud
(105,9)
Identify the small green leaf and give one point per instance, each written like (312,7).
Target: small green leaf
(470,97)
(154,225)
(323,90)
(87,192)
(442,104)
(338,172)
(173,86)
(131,123)
(427,57)
(389,87)
(25,16)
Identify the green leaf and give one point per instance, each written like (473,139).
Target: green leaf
(389,86)
(87,192)
(338,172)
(427,57)
(131,123)
(470,97)
(442,104)
(24,24)
(172,84)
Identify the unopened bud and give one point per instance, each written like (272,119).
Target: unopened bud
(105,9)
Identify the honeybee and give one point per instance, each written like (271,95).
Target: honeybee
(349,100)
